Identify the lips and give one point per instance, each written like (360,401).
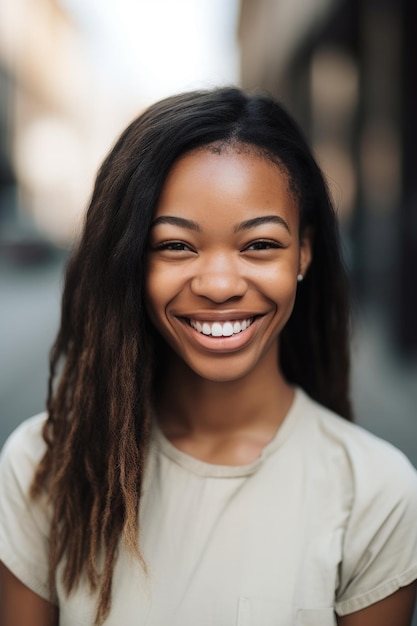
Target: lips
(221,329)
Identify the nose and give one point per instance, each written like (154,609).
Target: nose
(219,279)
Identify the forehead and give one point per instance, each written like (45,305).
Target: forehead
(237,182)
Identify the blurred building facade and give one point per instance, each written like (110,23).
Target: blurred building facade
(73,74)
(44,86)
(50,142)
(346,71)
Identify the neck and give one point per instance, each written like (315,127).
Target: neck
(189,404)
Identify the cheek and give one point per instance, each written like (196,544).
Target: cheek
(280,285)
(161,288)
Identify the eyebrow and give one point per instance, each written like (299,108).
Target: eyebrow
(258,221)
(246,225)
(176,221)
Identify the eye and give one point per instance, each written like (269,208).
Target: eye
(263,244)
(173,246)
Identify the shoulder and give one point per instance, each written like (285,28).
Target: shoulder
(29,431)
(368,472)
(362,452)
(24,522)
(23,450)
(371,488)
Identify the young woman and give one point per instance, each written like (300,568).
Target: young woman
(197,464)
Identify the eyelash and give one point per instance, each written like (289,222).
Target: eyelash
(175,246)
(263,244)
(256,246)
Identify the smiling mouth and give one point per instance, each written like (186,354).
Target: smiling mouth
(221,329)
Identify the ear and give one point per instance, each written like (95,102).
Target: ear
(306,250)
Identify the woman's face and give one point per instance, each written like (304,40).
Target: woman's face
(223,261)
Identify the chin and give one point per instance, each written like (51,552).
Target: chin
(220,372)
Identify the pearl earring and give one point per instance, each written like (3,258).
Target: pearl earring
(300,278)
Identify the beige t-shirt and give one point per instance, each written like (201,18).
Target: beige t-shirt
(324,521)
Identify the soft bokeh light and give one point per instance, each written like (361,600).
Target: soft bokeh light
(152,49)
(84,69)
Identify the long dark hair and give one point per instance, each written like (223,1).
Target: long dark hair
(102,362)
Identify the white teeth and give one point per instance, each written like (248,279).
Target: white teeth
(227,329)
(218,329)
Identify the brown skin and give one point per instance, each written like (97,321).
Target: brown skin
(19,606)
(395,610)
(224,247)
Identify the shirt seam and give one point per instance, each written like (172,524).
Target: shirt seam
(377,593)
(21,572)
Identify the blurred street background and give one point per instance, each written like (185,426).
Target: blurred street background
(74,72)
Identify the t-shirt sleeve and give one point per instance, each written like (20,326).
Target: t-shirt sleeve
(380,546)
(24,523)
